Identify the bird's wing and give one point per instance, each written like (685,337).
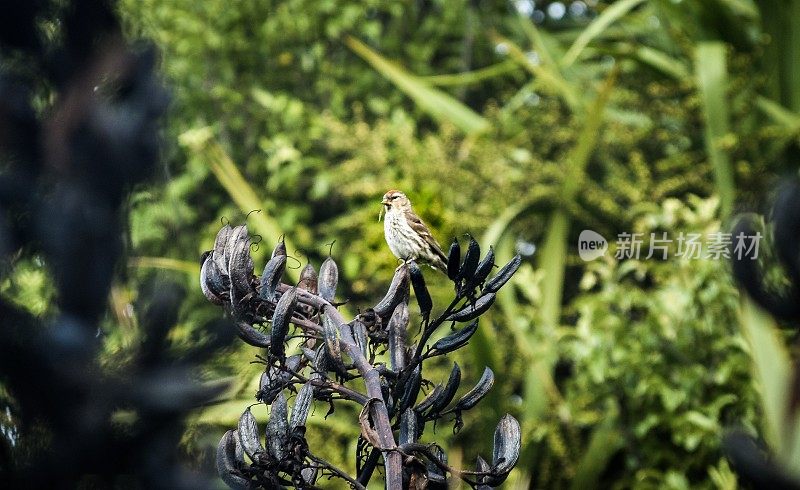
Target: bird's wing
(421,228)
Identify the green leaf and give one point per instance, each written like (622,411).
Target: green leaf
(712,81)
(610,15)
(438,104)
(771,369)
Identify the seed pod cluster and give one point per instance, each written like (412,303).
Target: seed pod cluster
(264,308)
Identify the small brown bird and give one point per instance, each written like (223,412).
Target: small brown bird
(407,236)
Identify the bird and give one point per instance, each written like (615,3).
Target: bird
(406,234)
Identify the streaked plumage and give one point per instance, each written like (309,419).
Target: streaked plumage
(407,236)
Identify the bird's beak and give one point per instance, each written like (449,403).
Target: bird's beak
(385,201)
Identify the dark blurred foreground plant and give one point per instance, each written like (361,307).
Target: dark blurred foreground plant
(332,352)
(79,126)
(774,460)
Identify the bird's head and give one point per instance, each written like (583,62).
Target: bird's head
(395,199)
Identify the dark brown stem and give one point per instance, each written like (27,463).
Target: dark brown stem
(380,414)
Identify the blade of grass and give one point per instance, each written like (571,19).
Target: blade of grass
(712,81)
(188,267)
(770,369)
(604,442)
(438,104)
(472,77)
(616,11)
(778,113)
(548,75)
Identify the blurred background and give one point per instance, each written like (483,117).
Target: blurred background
(520,122)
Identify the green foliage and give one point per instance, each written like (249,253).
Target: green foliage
(656,349)
(513,131)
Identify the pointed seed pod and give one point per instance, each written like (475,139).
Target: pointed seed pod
(280,321)
(482,272)
(249,436)
(408,427)
(428,401)
(448,392)
(453,260)
(280,248)
(228,462)
(223,235)
(410,389)
(494,284)
(308,279)
(420,290)
(302,405)
(211,282)
(328,280)
(278,428)
(271,277)
(241,271)
(238,235)
(473,310)
(251,336)
(507,442)
(455,340)
(398,291)
(471,259)
(333,345)
(473,396)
